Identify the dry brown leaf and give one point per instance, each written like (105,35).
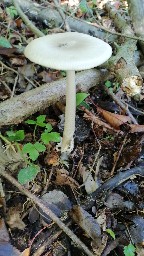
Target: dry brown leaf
(26,252)
(63,178)
(114,120)
(52,158)
(17,61)
(27,70)
(14,220)
(136,128)
(7,51)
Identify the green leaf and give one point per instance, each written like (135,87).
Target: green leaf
(84,104)
(48,128)
(27,147)
(30,149)
(34,154)
(112,234)
(40,120)
(129,250)
(80,97)
(27,174)
(94,2)
(4,42)
(15,136)
(52,136)
(108,84)
(33,150)
(11,11)
(29,121)
(39,147)
(83,6)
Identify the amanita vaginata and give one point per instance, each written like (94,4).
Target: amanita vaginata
(70,51)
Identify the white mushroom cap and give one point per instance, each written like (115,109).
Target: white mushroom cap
(68,51)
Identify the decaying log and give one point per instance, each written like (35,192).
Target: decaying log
(123,63)
(15,110)
(52,18)
(136,11)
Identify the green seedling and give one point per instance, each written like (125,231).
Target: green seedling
(33,150)
(113,87)
(15,136)
(129,250)
(84,7)
(4,42)
(30,151)
(40,121)
(47,137)
(80,97)
(28,174)
(111,233)
(11,11)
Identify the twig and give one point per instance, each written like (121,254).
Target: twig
(117,33)
(123,107)
(15,83)
(26,20)
(6,86)
(62,15)
(47,211)
(11,69)
(118,155)
(20,35)
(119,179)
(18,108)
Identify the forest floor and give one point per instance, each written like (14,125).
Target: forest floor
(97,191)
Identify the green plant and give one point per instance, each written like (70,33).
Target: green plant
(111,233)
(113,87)
(84,7)
(129,250)
(11,11)
(28,173)
(40,121)
(80,97)
(33,150)
(30,151)
(4,42)
(15,135)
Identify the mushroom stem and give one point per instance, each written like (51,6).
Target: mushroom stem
(70,110)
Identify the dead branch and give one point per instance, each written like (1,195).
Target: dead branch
(136,11)
(15,110)
(52,18)
(123,63)
(29,24)
(47,211)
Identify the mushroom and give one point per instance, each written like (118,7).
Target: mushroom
(70,51)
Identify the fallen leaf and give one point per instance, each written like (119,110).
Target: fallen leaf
(27,70)
(7,51)
(18,22)
(14,220)
(63,178)
(26,252)
(88,181)
(114,120)
(52,158)
(18,61)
